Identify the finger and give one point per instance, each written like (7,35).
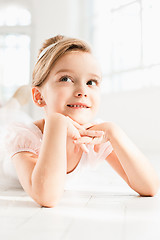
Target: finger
(88,125)
(76,148)
(84,148)
(97,147)
(91,133)
(89,140)
(83,140)
(96,140)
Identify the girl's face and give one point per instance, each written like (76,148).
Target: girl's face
(73,87)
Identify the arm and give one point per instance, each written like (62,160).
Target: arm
(129,162)
(48,176)
(43,177)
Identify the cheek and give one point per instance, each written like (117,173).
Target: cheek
(62,94)
(97,100)
(57,94)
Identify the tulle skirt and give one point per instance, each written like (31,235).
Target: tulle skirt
(11,112)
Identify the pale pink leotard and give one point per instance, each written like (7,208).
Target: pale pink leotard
(21,137)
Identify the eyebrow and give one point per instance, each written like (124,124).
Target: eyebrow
(69,70)
(64,70)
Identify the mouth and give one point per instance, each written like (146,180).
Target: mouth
(77,106)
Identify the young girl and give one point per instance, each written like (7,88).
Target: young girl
(66,84)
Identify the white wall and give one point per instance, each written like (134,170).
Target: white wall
(137,113)
(55,17)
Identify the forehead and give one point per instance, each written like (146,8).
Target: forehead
(77,61)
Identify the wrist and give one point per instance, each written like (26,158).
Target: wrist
(112,129)
(56,119)
(109,129)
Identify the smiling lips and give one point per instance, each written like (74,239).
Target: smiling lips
(77,105)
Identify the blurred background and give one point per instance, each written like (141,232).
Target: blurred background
(125,37)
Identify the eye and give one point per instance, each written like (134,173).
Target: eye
(65,79)
(92,82)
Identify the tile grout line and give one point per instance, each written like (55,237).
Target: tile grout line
(26,220)
(66,231)
(72,221)
(85,205)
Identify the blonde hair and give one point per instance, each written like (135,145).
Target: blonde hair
(46,62)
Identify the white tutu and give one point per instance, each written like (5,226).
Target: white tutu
(11,112)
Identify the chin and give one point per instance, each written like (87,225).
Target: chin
(81,118)
(76,119)
(82,121)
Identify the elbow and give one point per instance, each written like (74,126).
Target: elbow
(47,197)
(148,194)
(147,191)
(155,188)
(152,191)
(48,201)
(48,204)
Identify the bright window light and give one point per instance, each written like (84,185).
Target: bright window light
(14,50)
(126,40)
(14,16)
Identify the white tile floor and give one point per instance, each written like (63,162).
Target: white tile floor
(104,208)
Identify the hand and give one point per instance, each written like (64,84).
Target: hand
(105,127)
(85,136)
(74,132)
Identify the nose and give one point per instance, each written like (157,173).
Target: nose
(81,95)
(81,92)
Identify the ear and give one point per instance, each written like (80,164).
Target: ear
(37,97)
